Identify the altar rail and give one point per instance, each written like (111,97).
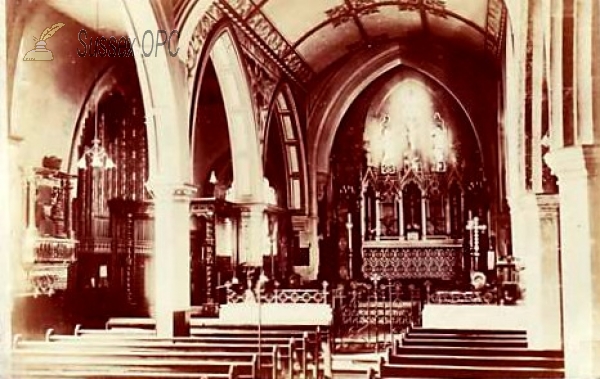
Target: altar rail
(281,296)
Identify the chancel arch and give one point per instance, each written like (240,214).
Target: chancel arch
(406,172)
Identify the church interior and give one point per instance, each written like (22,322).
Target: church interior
(291,189)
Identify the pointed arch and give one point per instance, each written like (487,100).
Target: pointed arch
(168,150)
(283,108)
(247,169)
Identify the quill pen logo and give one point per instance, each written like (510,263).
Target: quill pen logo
(40,53)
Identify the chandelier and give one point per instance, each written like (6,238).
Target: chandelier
(96,154)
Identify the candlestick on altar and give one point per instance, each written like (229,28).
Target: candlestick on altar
(377,217)
(349,226)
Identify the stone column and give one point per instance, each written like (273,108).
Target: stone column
(169,291)
(252,232)
(577,171)
(541,241)
(526,244)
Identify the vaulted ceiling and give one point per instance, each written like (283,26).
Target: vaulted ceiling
(309,36)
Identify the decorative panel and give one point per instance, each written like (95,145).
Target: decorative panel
(416,262)
(49,249)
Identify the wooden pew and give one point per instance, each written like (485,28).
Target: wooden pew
(129,323)
(312,344)
(144,346)
(309,350)
(92,374)
(469,354)
(95,356)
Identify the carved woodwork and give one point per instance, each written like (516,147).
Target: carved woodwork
(203,274)
(401,195)
(132,235)
(437,261)
(49,251)
(115,225)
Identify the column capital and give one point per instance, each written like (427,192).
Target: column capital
(247,208)
(575,162)
(548,204)
(175,191)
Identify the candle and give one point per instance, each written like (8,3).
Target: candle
(349,226)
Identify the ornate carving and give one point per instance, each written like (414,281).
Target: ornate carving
(347,12)
(46,280)
(257,29)
(409,5)
(292,296)
(262,87)
(242,7)
(339,15)
(435,7)
(495,26)
(260,29)
(257,55)
(463,297)
(267,32)
(412,262)
(54,250)
(203,28)
(298,67)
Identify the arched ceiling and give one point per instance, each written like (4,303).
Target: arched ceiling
(309,36)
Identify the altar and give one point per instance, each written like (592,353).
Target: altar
(429,260)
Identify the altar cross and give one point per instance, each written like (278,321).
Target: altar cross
(474,229)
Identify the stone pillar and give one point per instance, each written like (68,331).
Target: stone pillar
(311,238)
(526,244)
(577,171)
(543,273)
(9,202)
(252,232)
(169,291)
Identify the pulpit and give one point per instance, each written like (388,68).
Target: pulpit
(49,251)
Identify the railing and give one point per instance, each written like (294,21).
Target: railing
(281,296)
(374,313)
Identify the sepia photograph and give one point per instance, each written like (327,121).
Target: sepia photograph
(300,189)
